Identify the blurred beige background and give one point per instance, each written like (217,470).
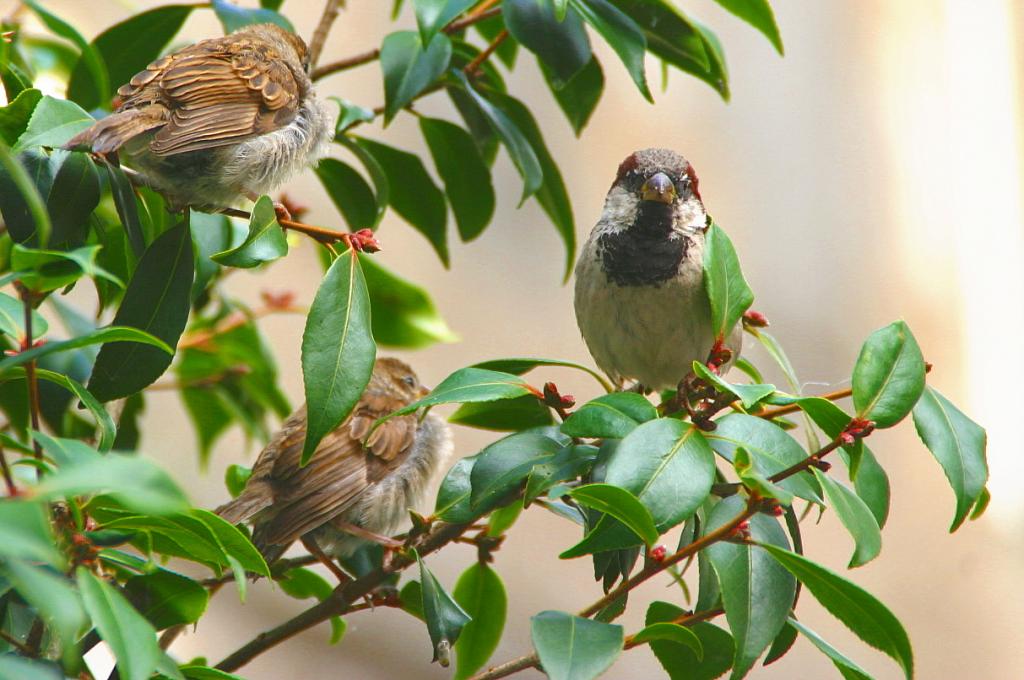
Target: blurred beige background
(871,174)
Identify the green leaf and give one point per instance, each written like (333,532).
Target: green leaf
(519,148)
(90,55)
(349,192)
(104,422)
(612,416)
(861,612)
(756,482)
(135,482)
(410,67)
(52,596)
(127,208)
(668,465)
(622,34)
(302,583)
(782,643)
(17,668)
(126,48)
(578,96)
(888,378)
(855,516)
(380,180)
(551,194)
(728,292)
(235,479)
(74,195)
(672,632)
(574,648)
(167,599)
(15,116)
(680,661)
(452,503)
(958,443)
(233,17)
(749,395)
(520,365)
(481,594)
(196,672)
(25,533)
(12,319)
(847,668)
(130,636)
(771,448)
(45,270)
(509,415)
(756,592)
(757,13)
(503,465)
(231,540)
(620,504)
(471,385)
(467,179)
(100,335)
(53,123)
(350,114)
(413,194)
(21,205)
(265,242)
(562,45)
(157,301)
(337,349)
(445,618)
(404,315)
(433,15)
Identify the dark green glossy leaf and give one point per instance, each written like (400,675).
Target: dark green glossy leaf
(672,632)
(410,67)
(90,55)
(622,34)
(337,349)
(562,45)
(508,415)
(126,48)
(53,123)
(847,668)
(21,201)
(433,15)
(15,116)
(12,319)
(620,504)
(520,365)
(770,447)
(518,145)
(612,415)
(445,618)
(413,194)
(756,482)
(888,378)
(127,208)
(210,234)
(74,195)
(467,179)
(45,270)
(157,301)
(453,497)
(100,335)
(757,592)
(680,661)
(861,612)
(349,192)
(18,668)
(130,636)
(507,50)
(25,533)
(403,313)
(376,172)
(472,385)
(782,643)
(855,516)
(266,241)
(749,395)
(505,464)
(668,465)
(104,422)
(759,14)
(233,17)
(481,594)
(958,443)
(574,648)
(578,96)
(727,290)
(350,114)
(167,599)
(231,540)
(52,596)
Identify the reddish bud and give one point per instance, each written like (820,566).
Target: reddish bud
(551,391)
(364,241)
(7,36)
(39,343)
(294,208)
(847,438)
(278,299)
(823,465)
(568,401)
(11,352)
(658,553)
(79,539)
(754,319)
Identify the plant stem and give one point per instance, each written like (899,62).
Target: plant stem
(16,643)
(231,322)
(770,413)
(322,234)
(479,59)
(316,45)
(8,479)
(30,374)
(684,620)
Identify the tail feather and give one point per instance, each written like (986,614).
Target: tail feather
(245,506)
(111,133)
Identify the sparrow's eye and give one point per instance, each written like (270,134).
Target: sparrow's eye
(409,380)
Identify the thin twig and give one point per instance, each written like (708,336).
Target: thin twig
(478,60)
(316,45)
(8,479)
(684,620)
(233,321)
(321,234)
(16,643)
(30,374)
(770,413)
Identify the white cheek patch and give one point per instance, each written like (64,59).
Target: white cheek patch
(620,207)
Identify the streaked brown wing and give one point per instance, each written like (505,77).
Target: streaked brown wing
(340,470)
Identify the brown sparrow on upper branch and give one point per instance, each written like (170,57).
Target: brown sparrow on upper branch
(348,492)
(224,118)
(640,299)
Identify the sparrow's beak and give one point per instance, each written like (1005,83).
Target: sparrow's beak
(658,188)
(424,391)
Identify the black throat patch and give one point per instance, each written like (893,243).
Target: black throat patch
(648,253)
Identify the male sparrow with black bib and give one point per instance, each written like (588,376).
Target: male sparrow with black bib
(640,299)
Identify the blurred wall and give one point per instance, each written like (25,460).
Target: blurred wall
(873,173)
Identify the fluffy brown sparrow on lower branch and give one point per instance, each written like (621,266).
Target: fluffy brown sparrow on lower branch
(640,299)
(224,118)
(348,491)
